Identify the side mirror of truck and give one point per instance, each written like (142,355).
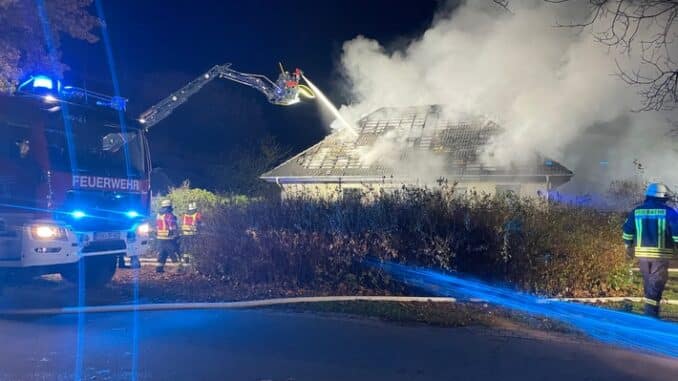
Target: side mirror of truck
(114,141)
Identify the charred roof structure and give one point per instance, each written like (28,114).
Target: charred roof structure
(389,140)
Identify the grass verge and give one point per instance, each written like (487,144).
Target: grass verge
(671,291)
(667,312)
(432,313)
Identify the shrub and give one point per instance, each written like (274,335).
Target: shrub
(303,243)
(207,201)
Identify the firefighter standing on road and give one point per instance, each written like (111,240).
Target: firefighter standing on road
(651,235)
(166,234)
(190,225)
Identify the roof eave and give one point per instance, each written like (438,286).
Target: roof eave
(384,179)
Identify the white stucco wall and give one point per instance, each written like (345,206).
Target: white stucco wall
(335,191)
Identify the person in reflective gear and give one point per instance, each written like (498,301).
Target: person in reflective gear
(190,225)
(191,220)
(651,235)
(166,234)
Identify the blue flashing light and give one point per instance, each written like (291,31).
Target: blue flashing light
(132,214)
(118,103)
(78,214)
(40,84)
(43,82)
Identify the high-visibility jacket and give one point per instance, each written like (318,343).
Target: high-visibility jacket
(652,230)
(166,225)
(190,222)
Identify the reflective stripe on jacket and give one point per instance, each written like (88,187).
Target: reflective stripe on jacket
(189,223)
(652,229)
(165,225)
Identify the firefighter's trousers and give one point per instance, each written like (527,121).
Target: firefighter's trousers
(655,275)
(187,244)
(167,248)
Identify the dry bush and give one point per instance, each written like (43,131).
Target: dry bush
(528,244)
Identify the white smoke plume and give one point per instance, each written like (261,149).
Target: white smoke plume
(553,89)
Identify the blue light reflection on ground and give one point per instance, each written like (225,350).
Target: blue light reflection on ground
(609,326)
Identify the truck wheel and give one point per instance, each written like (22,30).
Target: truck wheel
(99,270)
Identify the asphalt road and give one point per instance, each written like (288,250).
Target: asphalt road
(271,345)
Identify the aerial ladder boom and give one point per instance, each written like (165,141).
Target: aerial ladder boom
(284,92)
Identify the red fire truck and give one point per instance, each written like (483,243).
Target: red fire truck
(74,182)
(75,173)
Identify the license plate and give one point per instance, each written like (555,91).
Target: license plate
(103,236)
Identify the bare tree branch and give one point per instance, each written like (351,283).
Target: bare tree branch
(504,4)
(646,25)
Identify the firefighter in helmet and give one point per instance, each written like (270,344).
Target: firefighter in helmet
(190,226)
(651,235)
(166,234)
(191,220)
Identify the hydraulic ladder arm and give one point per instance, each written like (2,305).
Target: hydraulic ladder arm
(285,91)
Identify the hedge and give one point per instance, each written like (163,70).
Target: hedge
(531,245)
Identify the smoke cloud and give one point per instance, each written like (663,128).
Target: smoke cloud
(553,89)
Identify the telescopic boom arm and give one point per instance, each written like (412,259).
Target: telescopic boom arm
(284,92)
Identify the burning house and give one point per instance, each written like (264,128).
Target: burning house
(414,147)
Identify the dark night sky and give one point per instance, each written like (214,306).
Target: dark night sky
(160,45)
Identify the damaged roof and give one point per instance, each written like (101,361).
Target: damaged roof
(415,130)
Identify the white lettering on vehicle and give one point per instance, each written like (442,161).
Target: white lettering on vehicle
(96,182)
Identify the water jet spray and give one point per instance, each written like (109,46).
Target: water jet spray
(330,106)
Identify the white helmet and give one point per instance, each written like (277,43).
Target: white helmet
(657,190)
(166,203)
(192,206)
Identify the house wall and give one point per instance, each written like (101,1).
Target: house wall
(335,191)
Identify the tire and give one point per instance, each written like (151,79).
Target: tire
(99,270)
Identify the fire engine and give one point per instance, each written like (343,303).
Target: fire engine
(74,182)
(75,173)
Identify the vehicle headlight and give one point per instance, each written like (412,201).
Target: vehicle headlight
(143,229)
(48,232)
(78,214)
(132,214)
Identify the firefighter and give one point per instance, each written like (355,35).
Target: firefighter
(651,235)
(166,234)
(190,225)
(191,220)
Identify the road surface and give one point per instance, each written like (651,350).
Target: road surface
(274,345)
